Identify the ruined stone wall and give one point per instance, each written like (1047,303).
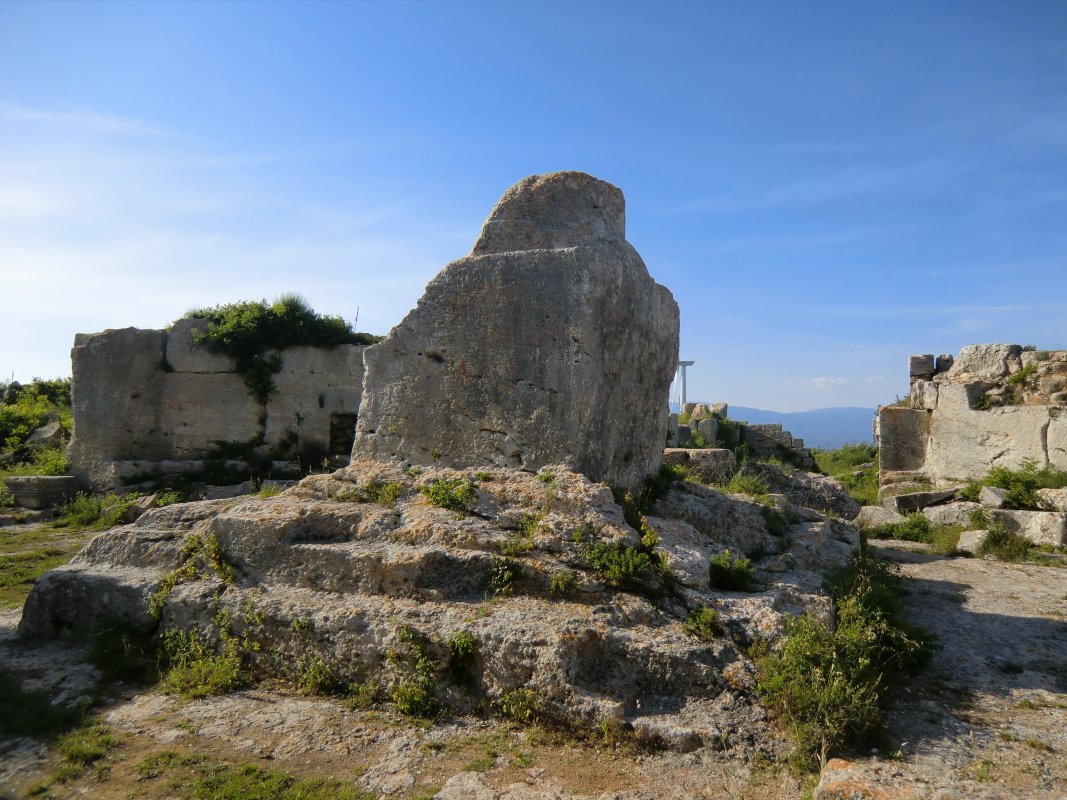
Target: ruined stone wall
(769,440)
(994,405)
(153,403)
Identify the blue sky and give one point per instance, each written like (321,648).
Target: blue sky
(825,187)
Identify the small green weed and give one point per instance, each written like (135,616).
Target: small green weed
(250,782)
(618,564)
(917,528)
(522,705)
(1037,744)
(316,677)
(384,494)
(562,583)
(731,572)
(503,573)
(462,654)
(96,511)
(194,668)
(456,495)
(413,690)
(703,623)
(169,497)
(361,696)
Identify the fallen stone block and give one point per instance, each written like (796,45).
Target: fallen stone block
(992,496)
(48,435)
(40,491)
(1040,527)
(915,501)
(1056,498)
(957,513)
(970,541)
(873,516)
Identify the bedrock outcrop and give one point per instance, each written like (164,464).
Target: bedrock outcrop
(341,572)
(549,343)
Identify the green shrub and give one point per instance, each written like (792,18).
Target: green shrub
(169,497)
(618,564)
(503,573)
(847,457)
(96,511)
(830,682)
(703,623)
(1021,378)
(32,406)
(1022,484)
(562,583)
(917,528)
(856,466)
(1006,546)
(522,705)
(653,488)
(46,461)
(413,690)
(269,490)
(456,495)
(746,483)
(316,677)
(361,695)
(731,572)
(194,668)
(251,332)
(777,524)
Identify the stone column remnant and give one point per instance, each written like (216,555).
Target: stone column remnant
(548,343)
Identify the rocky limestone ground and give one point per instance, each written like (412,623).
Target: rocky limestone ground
(987,719)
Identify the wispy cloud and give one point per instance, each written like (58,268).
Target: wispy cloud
(826,383)
(939,311)
(86,121)
(839,185)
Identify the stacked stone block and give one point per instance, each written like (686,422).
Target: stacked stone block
(150,403)
(994,405)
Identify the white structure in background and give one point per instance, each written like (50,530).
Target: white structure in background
(681,368)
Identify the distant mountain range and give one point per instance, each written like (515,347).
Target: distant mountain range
(820,427)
